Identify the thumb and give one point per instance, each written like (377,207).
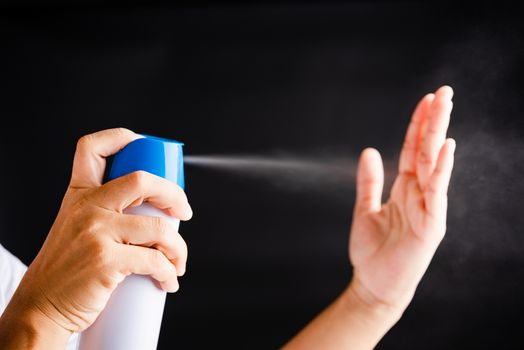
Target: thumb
(370,181)
(91,153)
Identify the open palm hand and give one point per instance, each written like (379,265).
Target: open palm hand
(391,244)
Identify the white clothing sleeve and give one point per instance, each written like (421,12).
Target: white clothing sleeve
(11,272)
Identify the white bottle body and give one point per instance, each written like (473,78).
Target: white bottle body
(132,317)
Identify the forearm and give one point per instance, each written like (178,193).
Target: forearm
(350,322)
(24,326)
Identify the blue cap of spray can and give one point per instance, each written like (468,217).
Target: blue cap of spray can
(158,156)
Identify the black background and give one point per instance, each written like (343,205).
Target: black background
(270,77)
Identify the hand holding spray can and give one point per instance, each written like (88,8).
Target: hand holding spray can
(132,317)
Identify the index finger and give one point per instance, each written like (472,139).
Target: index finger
(135,188)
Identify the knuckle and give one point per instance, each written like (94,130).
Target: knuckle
(137,179)
(368,198)
(433,131)
(84,142)
(99,251)
(181,247)
(157,258)
(368,182)
(108,281)
(122,131)
(432,189)
(408,145)
(424,157)
(96,243)
(161,226)
(91,224)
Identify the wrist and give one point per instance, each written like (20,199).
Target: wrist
(370,309)
(23,325)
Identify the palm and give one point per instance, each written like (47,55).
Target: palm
(392,244)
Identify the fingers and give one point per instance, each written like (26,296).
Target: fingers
(147,261)
(407,163)
(434,134)
(435,196)
(138,187)
(89,162)
(153,232)
(370,181)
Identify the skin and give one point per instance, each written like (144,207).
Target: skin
(92,246)
(391,244)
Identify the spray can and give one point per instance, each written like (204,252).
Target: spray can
(132,317)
